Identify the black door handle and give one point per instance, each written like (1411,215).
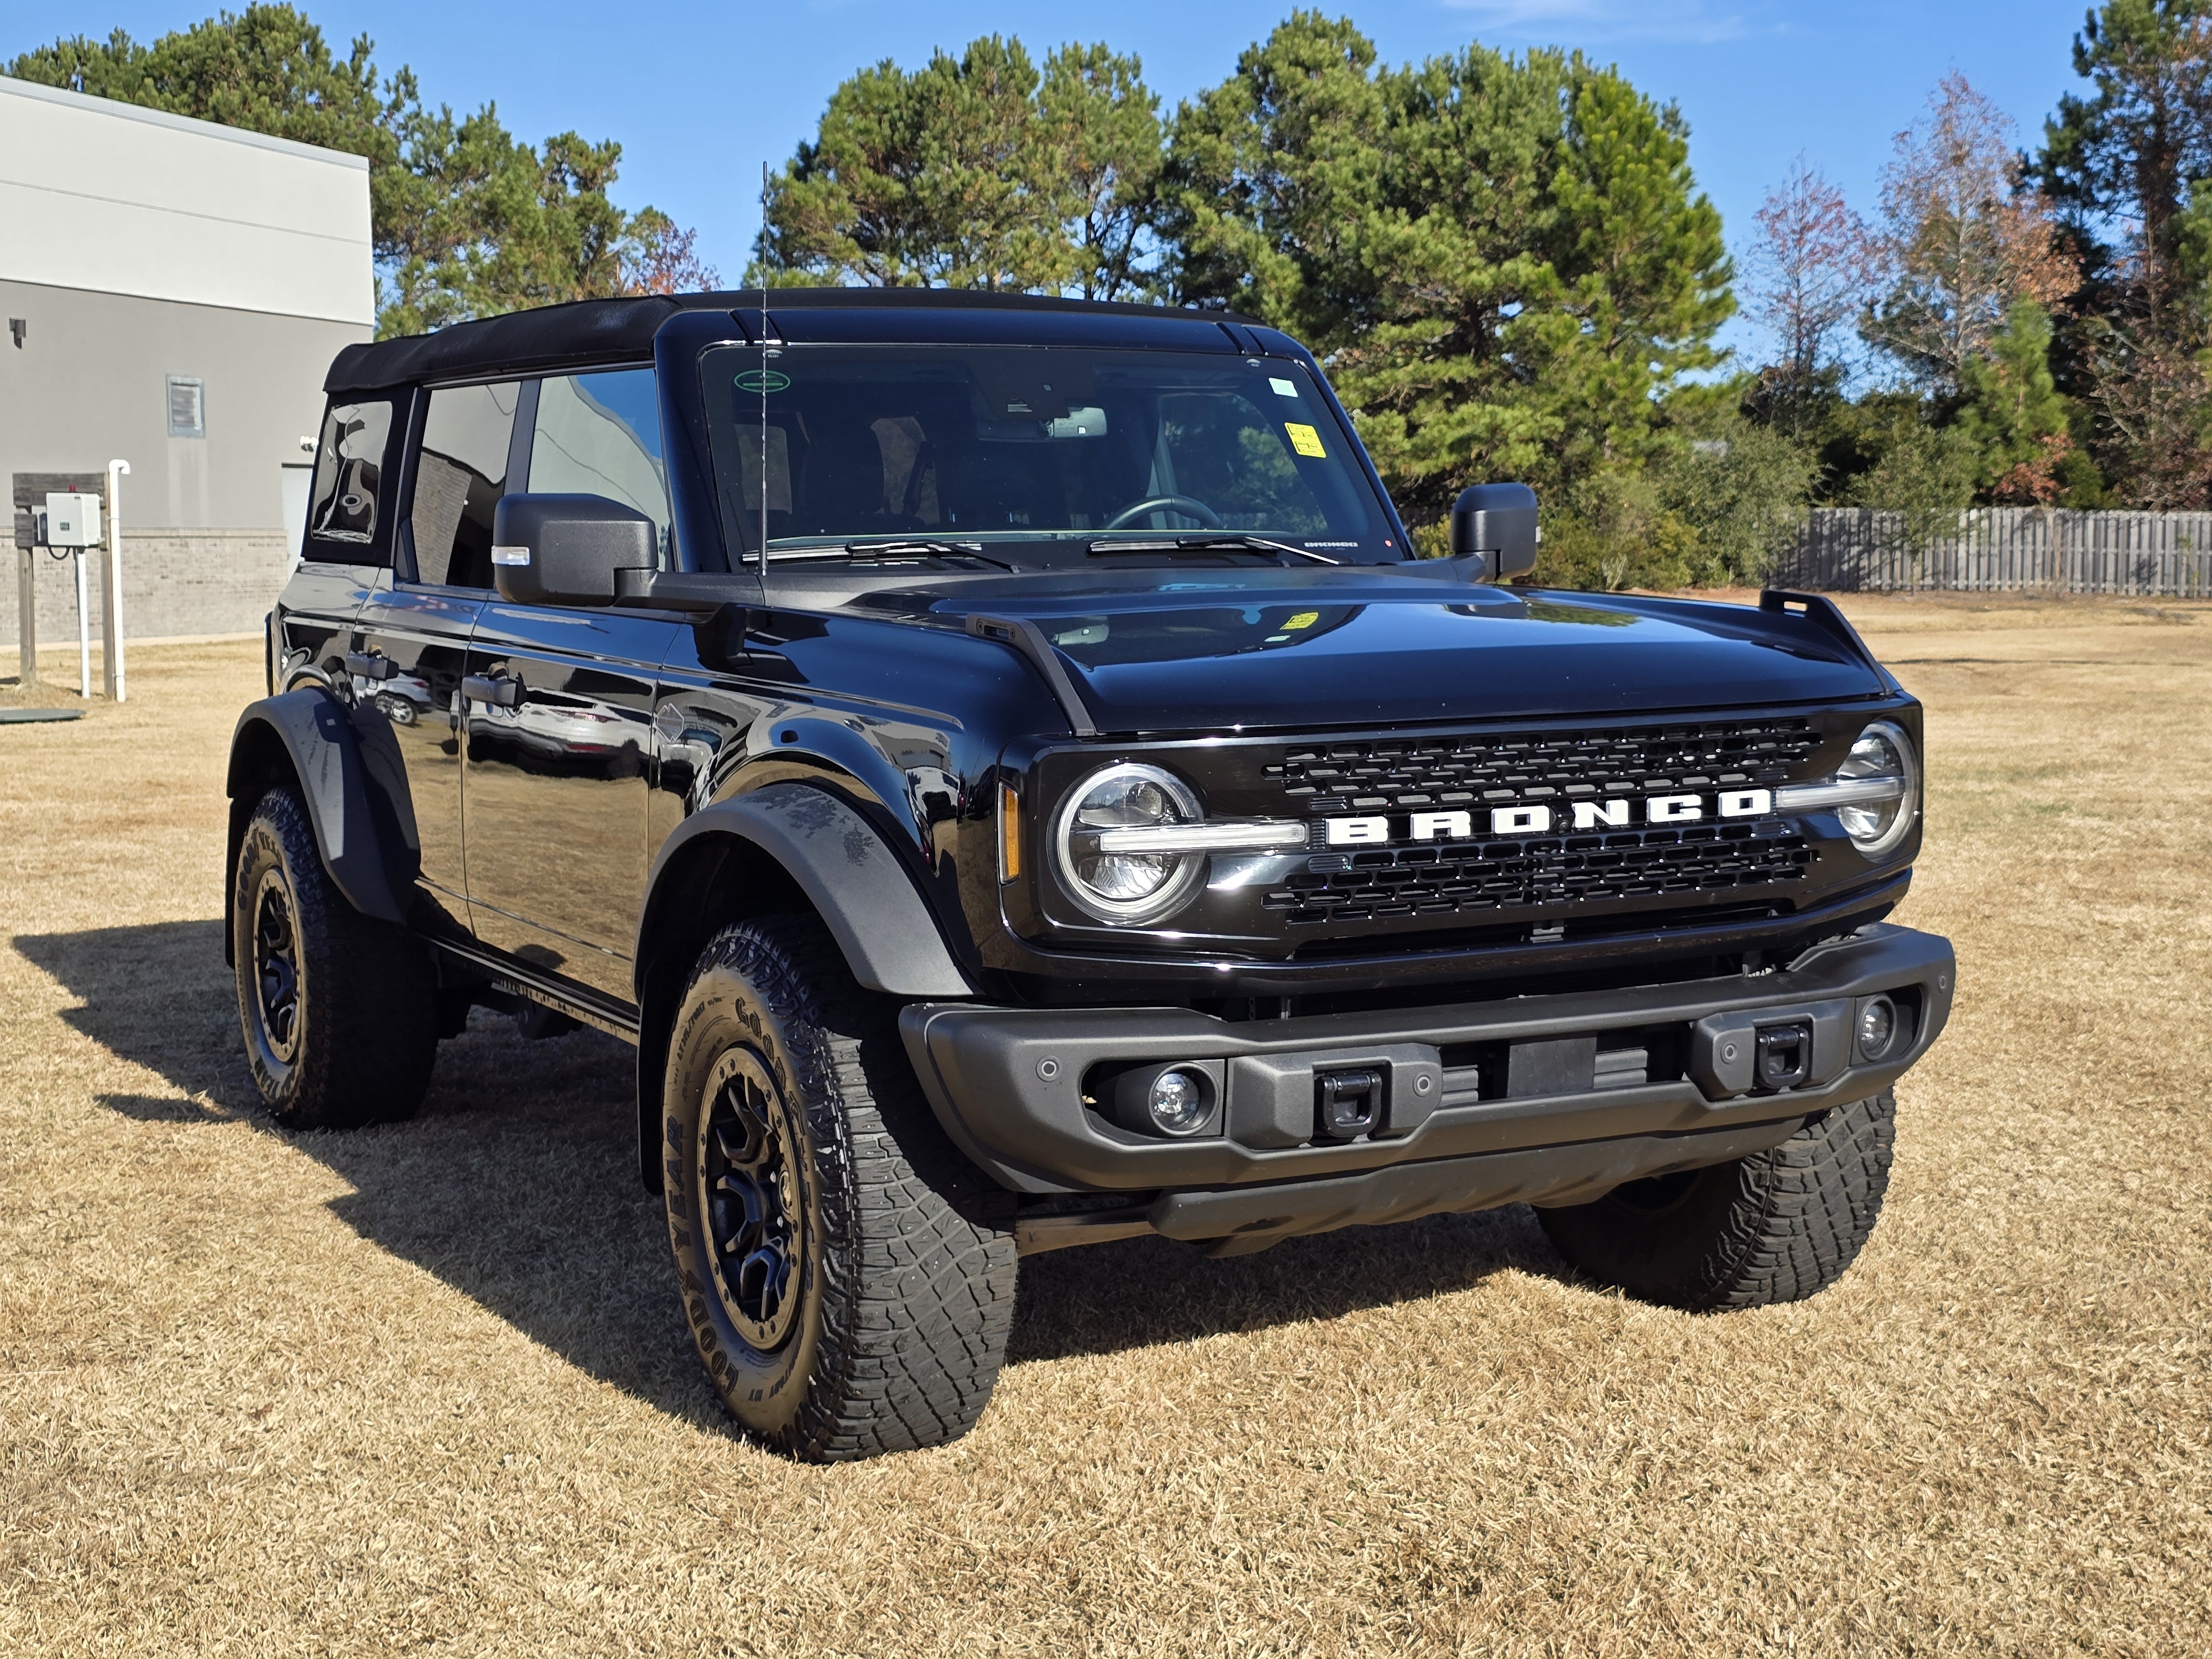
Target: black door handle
(370,665)
(498,691)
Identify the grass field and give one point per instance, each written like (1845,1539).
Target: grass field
(427,1388)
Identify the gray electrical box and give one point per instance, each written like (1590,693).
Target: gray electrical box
(71,519)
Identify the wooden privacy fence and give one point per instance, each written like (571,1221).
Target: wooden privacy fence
(2003,550)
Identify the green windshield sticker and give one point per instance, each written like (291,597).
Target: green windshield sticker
(757,381)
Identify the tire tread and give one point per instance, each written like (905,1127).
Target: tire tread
(369,1047)
(1777,1227)
(920,1254)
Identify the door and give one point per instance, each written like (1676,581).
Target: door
(560,725)
(415,635)
(560,744)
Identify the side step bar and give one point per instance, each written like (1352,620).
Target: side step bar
(616,1019)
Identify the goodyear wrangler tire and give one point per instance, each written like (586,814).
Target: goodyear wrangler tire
(1774,1227)
(338,1009)
(848,1276)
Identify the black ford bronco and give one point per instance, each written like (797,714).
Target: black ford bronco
(1002,764)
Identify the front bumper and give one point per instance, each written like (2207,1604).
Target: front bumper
(1592,1087)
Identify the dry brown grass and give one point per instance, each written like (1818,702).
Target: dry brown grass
(426,1386)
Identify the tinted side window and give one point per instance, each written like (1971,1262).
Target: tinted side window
(599,434)
(349,475)
(458,479)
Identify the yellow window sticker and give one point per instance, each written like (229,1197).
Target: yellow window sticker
(1303,619)
(1305,440)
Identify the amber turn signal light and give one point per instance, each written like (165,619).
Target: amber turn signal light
(1010,834)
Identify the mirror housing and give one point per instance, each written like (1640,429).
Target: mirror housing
(1496,521)
(565,550)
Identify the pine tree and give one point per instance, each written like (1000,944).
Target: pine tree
(2012,416)
(976,172)
(1507,259)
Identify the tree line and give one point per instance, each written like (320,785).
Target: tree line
(1511,272)
(2008,326)
(1504,261)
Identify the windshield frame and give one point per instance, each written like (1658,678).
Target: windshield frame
(1182,540)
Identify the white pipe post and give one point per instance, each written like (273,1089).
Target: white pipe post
(110,609)
(83,627)
(26,607)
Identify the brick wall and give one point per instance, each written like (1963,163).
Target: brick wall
(174,581)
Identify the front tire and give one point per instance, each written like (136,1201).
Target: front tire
(338,1009)
(1776,1226)
(848,1276)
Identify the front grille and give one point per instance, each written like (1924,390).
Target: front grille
(1381,775)
(1426,881)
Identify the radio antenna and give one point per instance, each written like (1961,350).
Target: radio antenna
(763,377)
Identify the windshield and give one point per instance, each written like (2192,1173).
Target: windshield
(1032,453)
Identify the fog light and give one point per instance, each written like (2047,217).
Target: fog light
(1877,1027)
(1178,1104)
(1179,1099)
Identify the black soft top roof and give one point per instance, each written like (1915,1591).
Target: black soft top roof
(613,331)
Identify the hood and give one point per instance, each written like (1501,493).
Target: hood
(1376,647)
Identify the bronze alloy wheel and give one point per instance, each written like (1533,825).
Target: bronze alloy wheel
(338,1011)
(848,1276)
(278,992)
(747,1173)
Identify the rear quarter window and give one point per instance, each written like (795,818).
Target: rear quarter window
(346,506)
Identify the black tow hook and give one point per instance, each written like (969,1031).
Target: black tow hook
(1784,1058)
(1349,1103)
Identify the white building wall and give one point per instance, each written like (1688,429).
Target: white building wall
(135,246)
(106,197)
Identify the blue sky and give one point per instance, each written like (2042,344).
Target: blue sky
(701,94)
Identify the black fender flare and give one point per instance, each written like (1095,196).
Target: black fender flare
(854,880)
(843,866)
(350,774)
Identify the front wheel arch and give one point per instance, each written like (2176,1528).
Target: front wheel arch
(789,848)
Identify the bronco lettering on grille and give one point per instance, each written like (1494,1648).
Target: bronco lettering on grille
(1382,829)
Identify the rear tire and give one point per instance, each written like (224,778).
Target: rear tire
(847,1275)
(338,1009)
(1774,1227)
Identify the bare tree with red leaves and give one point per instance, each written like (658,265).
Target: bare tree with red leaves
(1962,240)
(1809,270)
(664,260)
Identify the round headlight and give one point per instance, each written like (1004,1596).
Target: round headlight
(1126,888)
(1883,754)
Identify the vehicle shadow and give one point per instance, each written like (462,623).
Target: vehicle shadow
(1138,1292)
(516,1185)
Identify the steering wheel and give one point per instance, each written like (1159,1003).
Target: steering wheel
(1188,505)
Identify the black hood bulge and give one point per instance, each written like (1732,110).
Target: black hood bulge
(1376,648)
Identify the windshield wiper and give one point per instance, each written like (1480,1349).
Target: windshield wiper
(903,547)
(896,547)
(1230,541)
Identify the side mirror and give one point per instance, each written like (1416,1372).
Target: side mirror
(1498,522)
(565,550)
